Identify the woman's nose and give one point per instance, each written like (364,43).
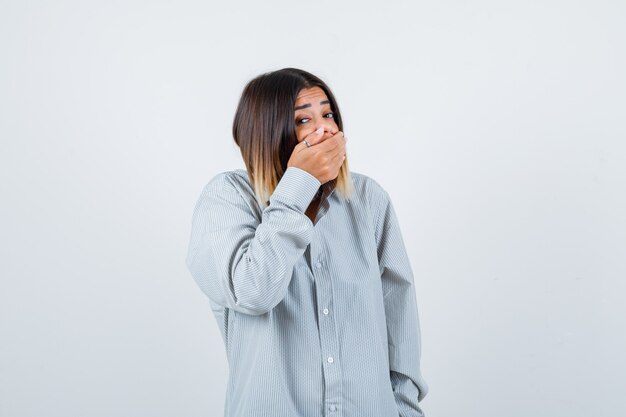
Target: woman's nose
(329,127)
(328,132)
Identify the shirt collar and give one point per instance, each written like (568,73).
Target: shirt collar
(328,188)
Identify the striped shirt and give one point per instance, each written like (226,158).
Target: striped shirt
(317,318)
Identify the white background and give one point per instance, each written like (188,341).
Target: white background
(497,128)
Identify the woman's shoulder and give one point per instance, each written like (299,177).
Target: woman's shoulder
(228,181)
(368,187)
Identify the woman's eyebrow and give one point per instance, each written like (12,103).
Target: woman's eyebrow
(309,105)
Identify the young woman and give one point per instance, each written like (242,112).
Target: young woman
(305,267)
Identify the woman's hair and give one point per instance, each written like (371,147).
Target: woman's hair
(265,131)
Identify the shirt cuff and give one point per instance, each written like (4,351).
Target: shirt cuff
(296,188)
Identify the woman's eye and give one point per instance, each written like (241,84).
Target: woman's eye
(302,120)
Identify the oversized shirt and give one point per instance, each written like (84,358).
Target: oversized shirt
(318,318)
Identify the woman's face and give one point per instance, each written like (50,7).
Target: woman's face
(313,110)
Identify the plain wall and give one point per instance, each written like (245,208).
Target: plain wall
(497,128)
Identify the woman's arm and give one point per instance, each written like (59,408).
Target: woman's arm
(240,263)
(403,329)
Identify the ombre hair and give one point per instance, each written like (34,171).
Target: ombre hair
(265,131)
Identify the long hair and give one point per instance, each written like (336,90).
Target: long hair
(265,130)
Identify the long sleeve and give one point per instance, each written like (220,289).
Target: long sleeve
(239,262)
(403,329)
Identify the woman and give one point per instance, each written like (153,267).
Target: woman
(304,265)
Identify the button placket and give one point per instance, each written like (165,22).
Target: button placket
(327,331)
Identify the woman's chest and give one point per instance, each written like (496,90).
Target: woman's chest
(343,247)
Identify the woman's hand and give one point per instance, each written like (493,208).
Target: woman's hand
(323,158)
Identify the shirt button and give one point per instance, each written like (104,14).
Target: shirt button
(332,408)
(318,265)
(330,359)
(325,311)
